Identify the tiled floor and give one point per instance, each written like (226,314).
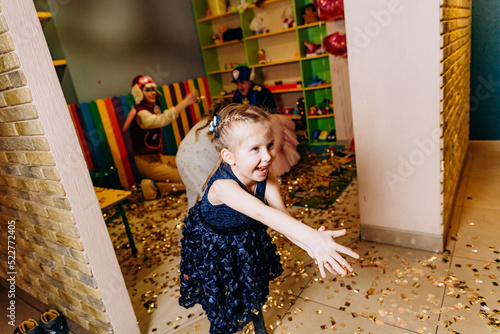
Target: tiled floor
(392,290)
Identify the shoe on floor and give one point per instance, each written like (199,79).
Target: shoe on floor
(29,326)
(149,190)
(167,188)
(53,322)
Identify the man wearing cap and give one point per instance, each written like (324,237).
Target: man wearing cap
(146,133)
(248,92)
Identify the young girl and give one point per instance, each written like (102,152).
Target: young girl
(196,155)
(227,257)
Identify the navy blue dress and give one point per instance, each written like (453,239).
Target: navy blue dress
(227,260)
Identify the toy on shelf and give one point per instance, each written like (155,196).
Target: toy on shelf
(217,38)
(262,57)
(230,66)
(310,15)
(288,19)
(287,111)
(313,49)
(258,26)
(327,107)
(317,111)
(323,135)
(217,7)
(232,34)
(316,81)
(241,7)
(279,85)
(222,30)
(323,108)
(332,136)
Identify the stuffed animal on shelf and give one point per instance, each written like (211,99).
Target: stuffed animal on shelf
(310,14)
(216,39)
(241,7)
(222,30)
(208,13)
(288,19)
(258,26)
(262,57)
(313,49)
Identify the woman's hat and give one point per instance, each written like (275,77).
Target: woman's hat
(138,83)
(242,73)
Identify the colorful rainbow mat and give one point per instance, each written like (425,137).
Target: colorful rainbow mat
(99,124)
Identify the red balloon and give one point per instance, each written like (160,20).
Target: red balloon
(336,44)
(329,9)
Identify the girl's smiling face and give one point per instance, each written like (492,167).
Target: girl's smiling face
(252,152)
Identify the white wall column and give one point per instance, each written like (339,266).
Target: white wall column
(36,64)
(394,68)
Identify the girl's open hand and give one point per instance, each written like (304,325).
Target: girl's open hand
(325,251)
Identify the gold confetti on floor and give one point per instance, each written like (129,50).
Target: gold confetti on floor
(391,286)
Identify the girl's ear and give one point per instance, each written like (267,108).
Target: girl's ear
(227,156)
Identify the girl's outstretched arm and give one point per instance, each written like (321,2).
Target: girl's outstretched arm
(318,244)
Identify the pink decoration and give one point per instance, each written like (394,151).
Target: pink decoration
(336,44)
(329,10)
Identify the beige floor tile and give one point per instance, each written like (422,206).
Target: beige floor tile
(477,237)
(485,163)
(199,326)
(168,317)
(308,317)
(396,285)
(155,300)
(483,191)
(472,298)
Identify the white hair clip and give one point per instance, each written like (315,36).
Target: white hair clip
(214,125)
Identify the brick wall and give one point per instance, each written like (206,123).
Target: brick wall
(51,260)
(455,87)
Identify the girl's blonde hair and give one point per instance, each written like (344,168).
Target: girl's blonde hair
(216,107)
(233,114)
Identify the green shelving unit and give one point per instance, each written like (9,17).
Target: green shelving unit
(284,49)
